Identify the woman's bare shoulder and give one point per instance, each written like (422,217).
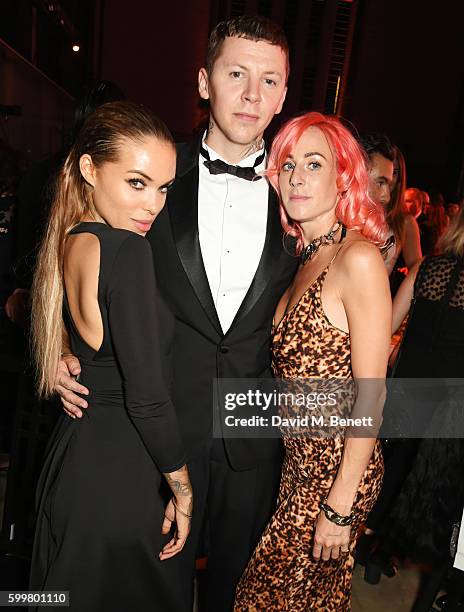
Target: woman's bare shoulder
(359,255)
(82,252)
(357,247)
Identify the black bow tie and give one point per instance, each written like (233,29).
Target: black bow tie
(217,166)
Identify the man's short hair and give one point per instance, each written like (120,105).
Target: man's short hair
(377,143)
(251,27)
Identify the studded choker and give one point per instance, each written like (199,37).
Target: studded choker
(313,247)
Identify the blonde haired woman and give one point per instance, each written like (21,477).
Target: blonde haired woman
(101,527)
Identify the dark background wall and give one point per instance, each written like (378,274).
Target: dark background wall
(406,79)
(44,106)
(153,51)
(402,74)
(405,76)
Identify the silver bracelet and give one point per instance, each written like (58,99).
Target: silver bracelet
(179,510)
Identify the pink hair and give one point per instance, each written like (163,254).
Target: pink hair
(355,209)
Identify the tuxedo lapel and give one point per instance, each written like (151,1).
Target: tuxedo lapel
(271,253)
(183,212)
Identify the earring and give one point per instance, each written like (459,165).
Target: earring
(289,243)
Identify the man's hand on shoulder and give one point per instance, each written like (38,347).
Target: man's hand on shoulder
(67,386)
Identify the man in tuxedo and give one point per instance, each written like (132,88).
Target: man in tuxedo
(221,268)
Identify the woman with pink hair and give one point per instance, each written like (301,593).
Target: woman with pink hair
(332,325)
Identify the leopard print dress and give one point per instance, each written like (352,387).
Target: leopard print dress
(282,574)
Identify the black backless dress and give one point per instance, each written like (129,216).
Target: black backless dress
(100,510)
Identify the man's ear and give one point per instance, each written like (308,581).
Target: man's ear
(87,169)
(203,84)
(282,100)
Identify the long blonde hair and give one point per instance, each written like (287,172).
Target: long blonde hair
(101,137)
(452,241)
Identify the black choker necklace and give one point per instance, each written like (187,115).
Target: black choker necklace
(313,247)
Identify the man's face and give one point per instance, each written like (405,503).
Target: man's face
(452,210)
(246,88)
(380,178)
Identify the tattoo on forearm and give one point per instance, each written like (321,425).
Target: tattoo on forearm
(180,487)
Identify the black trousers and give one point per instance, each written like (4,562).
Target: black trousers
(231,510)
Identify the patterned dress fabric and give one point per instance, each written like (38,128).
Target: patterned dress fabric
(282,575)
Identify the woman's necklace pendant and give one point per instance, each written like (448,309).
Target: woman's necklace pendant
(313,247)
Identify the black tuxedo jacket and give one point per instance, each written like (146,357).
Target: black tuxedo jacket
(201,351)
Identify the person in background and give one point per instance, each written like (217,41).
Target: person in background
(387,184)
(452,209)
(425,202)
(433,223)
(425,210)
(413,201)
(419,524)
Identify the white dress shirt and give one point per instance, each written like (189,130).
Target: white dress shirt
(232,219)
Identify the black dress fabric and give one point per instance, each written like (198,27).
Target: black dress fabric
(434,343)
(431,497)
(100,510)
